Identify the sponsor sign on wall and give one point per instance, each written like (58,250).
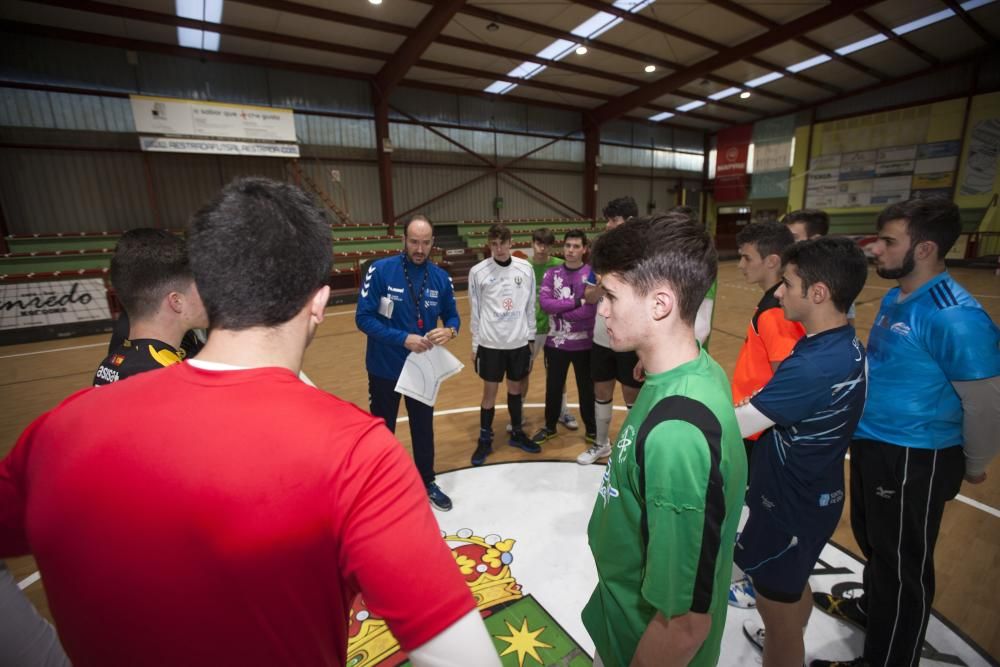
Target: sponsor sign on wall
(36,304)
(772,139)
(217,147)
(191,126)
(731,163)
(164,115)
(882,177)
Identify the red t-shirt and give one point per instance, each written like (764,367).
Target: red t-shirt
(192,517)
(770,338)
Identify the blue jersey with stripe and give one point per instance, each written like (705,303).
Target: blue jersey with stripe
(815,400)
(917,347)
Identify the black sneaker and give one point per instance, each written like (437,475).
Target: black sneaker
(543,435)
(438,498)
(856,662)
(483,449)
(520,440)
(843,609)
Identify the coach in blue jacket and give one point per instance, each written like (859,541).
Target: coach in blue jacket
(402,298)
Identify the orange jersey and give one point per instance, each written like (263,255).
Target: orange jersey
(770,338)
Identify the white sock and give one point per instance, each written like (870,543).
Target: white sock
(602,415)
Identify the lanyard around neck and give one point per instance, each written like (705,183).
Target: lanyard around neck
(416,295)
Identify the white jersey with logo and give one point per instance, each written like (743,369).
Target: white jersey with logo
(502,304)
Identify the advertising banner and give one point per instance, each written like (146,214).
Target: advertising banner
(731,163)
(772,168)
(164,115)
(36,304)
(218,147)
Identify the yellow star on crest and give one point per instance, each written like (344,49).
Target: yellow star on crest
(524,642)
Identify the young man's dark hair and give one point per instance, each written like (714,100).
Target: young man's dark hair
(251,270)
(817,222)
(498,230)
(933,219)
(576,234)
(836,262)
(647,251)
(770,238)
(543,235)
(685,210)
(146,266)
(623,207)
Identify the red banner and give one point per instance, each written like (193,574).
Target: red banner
(732,146)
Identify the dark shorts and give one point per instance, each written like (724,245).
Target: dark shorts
(778,563)
(606,364)
(492,365)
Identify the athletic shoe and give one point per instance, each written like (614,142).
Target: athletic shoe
(510,429)
(569,421)
(843,609)
(543,435)
(439,500)
(521,440)
(483,449)
(856,662)
(753,630)
(593,453)
(742,594)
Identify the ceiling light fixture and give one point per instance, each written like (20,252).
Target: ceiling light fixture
(375,2)
(745,95)
(581,50)
(650,69)
(209,11)
(590,29)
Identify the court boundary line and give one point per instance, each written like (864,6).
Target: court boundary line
(971,502)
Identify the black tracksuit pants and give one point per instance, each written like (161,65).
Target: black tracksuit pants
(557,363)
(898,496)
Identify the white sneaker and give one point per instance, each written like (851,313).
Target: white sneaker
(595,452)
(569,421)
(742,594)
(753,630)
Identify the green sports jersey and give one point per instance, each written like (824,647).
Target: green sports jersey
(541,317)
(664,525)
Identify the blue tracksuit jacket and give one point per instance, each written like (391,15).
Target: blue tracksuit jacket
(386,353)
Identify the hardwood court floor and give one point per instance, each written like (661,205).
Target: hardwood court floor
(35,377)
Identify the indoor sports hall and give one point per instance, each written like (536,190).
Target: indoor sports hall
(123,114)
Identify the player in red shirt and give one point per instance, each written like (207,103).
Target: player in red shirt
(221,511)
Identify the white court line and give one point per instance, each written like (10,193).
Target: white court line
(58,349)
(30,579)
(978,505)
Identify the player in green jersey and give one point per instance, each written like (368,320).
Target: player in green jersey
(664,523)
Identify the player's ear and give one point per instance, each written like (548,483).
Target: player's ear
(773,261)
(663,301)
(317,305)
(819,292)
(175,301)
(926,250)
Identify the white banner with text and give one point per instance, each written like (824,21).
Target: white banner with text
(35,304)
